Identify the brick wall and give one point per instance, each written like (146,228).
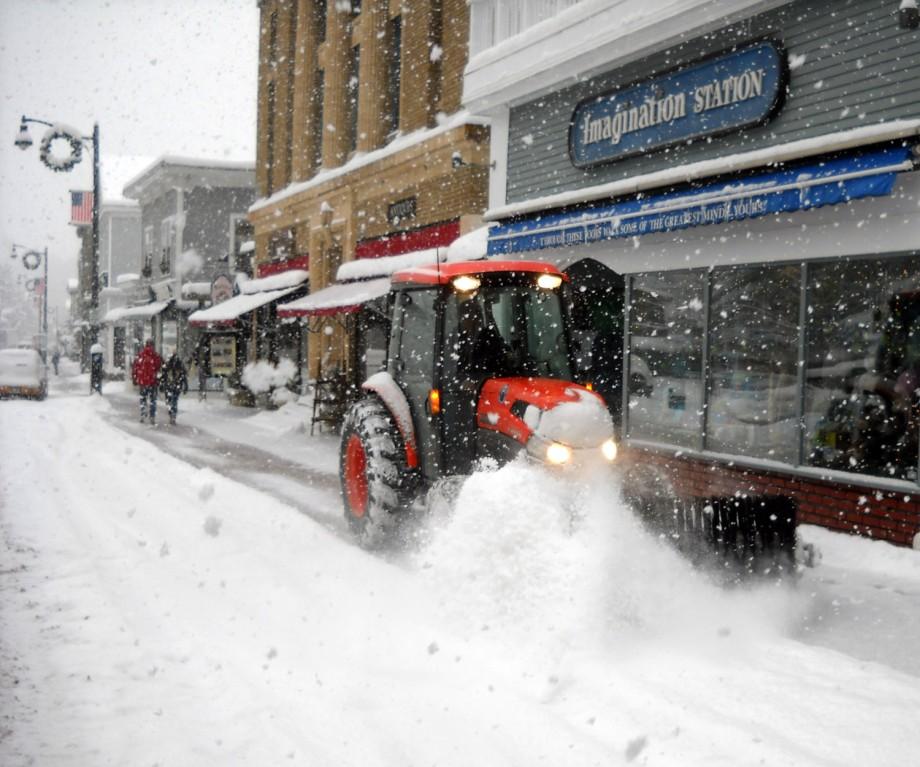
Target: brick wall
(889,515)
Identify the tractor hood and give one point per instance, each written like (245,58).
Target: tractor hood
(545,408)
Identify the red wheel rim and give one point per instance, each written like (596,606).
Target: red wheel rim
(356,476)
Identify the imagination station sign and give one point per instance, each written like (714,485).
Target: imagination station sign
(721,94)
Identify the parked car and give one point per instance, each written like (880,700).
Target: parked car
(22,374)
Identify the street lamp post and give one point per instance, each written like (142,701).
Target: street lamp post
(31,259)
(24,141)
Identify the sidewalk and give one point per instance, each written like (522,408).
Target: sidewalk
(268,450)
(283,433)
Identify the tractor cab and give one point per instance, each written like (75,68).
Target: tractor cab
(479,368)
(472,323)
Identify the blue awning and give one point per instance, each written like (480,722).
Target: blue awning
(870,174)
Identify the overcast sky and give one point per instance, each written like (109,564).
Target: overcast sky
(159,76)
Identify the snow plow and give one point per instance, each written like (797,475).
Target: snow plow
(735,537)
(479,369)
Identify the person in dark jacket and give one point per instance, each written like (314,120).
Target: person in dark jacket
(144,373)
(174,380)
(95,368)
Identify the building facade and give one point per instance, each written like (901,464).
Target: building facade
(732,188)
(119,257)
(192,227)
(363,152)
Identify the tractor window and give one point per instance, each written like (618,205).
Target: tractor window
(507,328)
(416,334)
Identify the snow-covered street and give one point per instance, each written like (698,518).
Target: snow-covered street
(188,596)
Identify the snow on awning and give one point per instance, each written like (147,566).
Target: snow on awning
(287,279)
(340,298)
(227,312)
(384,266)
(143,312)
(471,246)
(870,174)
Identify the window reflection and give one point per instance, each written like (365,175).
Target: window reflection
(862,395)
(754,400)
(665,381)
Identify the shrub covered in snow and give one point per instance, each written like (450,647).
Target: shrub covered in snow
(261,376)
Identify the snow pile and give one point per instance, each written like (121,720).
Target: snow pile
(537,561)
(261,376)
(585,422)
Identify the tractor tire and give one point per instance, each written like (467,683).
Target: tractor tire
(377,483)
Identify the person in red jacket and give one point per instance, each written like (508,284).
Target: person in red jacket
(144,373)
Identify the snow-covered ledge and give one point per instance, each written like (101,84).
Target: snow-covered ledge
(585,39)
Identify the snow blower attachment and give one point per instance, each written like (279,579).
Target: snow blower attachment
(479,368)
(735,536)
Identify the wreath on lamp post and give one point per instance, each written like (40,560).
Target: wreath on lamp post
(32,260)
(61,164)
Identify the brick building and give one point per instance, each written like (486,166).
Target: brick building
(363,152)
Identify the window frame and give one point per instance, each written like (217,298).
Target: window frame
(799,467)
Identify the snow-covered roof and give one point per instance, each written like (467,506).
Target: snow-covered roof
(398,144)
(121,279)
(733,163)
(186,171)
(288,279)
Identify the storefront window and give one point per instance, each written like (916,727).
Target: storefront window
(754,337)
(666,353)
(862,396)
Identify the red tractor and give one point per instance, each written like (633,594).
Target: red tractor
(479,368)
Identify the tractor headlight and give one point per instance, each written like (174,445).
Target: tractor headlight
(609,449)
(549,281)
(558,454)
(466,283)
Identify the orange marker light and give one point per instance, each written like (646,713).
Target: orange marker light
(589,386)
(434,401)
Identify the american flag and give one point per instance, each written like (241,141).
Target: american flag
(81,207)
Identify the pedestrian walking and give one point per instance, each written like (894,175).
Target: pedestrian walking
(95,368)
(174,380)
(144,373)
(202,362)
(56,360)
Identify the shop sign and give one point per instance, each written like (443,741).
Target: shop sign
(223,355)
(401,210)
(830,182)
(221,289)
(721,94)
